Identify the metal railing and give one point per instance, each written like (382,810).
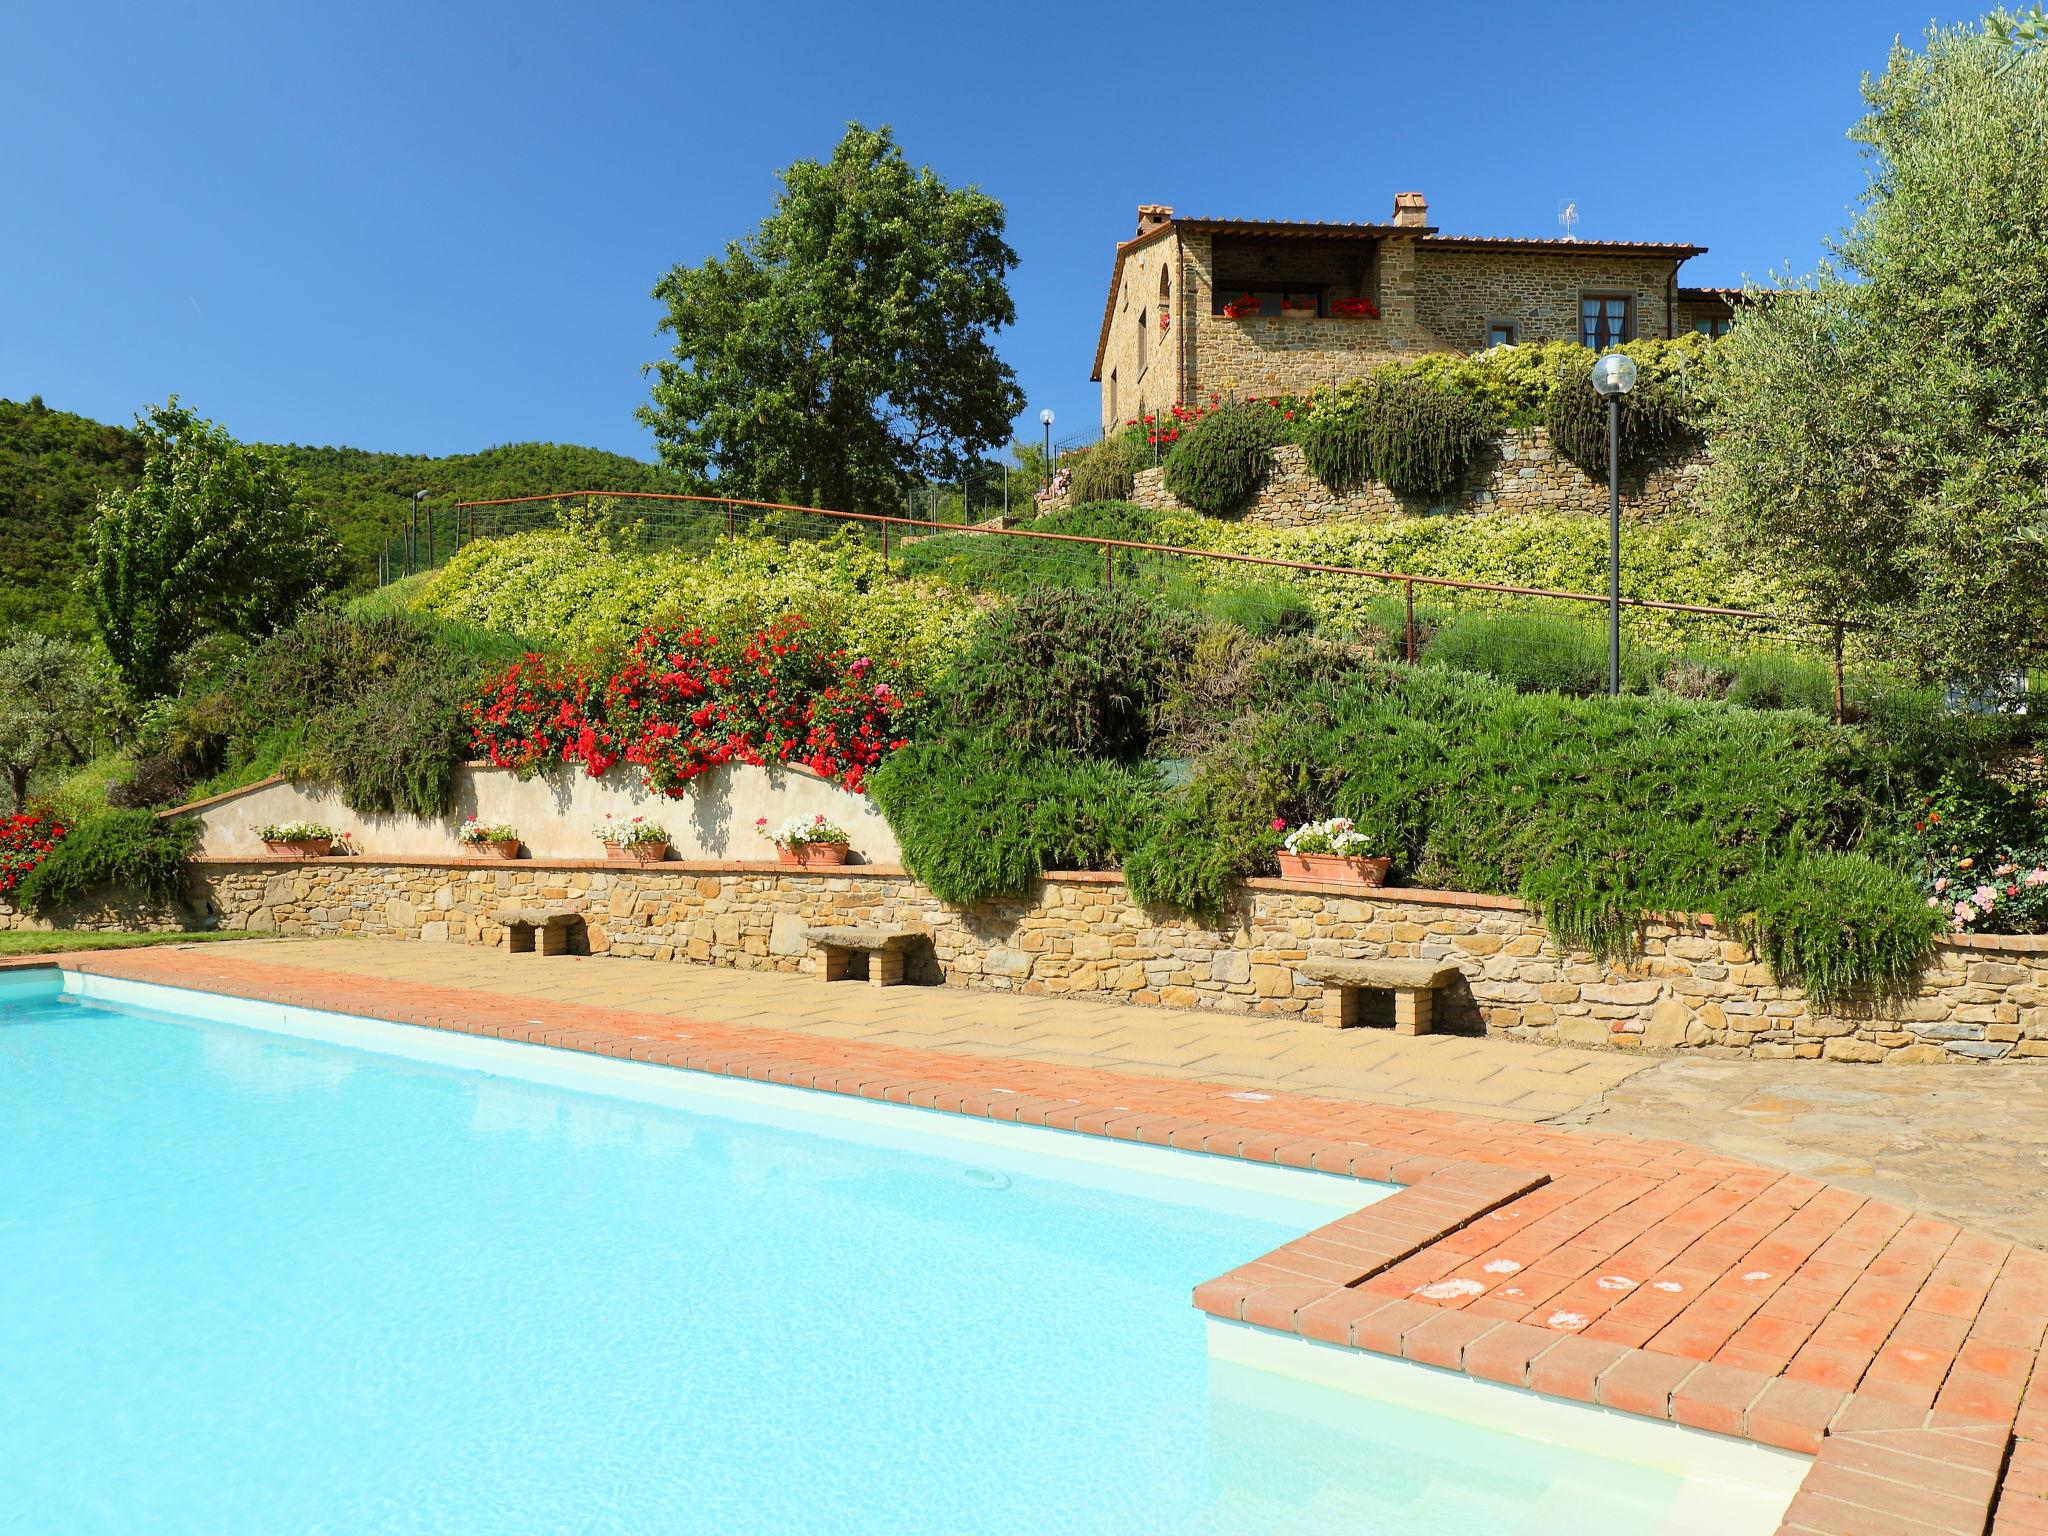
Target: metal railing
(1404,608)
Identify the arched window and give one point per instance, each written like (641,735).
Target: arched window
(1165,287)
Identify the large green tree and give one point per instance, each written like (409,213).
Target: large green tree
(215,539)
(1878,427)
(845,348)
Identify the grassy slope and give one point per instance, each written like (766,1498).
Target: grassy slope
(54,466)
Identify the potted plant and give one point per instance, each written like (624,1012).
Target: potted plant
(1355,308)
(299,839)
(1332,850)
(636,840)
(1298,306)
(797,841)
(1242,307)
(489,842)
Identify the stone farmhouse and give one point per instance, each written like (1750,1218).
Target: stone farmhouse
(1238,307)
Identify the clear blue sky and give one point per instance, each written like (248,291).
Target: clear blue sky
(431,227)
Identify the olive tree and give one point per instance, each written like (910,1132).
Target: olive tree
(1877,427)
(51,694)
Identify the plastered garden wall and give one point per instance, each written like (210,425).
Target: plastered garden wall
(555,812)
(1690,989)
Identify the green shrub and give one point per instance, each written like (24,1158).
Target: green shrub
(1539,653)
(978,819)
(1335,439)
(1267,608)
(1418,437)
(370,704)
(1842,928)
(1106,472)
(132,853)
(1776,680)
(1074,671)
(1659,417)
(1596,811)
(1222,460)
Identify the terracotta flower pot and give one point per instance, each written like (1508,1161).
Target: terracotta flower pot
(1335,868)
(300,847)
(498,848)
(637,853)
(811,853)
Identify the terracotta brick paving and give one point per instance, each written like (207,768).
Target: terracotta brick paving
(1646,1276)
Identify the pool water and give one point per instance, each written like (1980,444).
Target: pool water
(262,1282)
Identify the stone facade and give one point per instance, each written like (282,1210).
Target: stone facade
(1523,474)
(1689,989)
(1434,293)
(1461,290)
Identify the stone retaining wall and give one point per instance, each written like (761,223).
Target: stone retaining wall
(1523,474)
(1690,989)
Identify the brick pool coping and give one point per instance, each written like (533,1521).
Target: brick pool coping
(1644,1276)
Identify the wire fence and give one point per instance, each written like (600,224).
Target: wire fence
(1538,636)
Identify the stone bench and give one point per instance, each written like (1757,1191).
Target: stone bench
(885,948)
(545,930)
(1413,982)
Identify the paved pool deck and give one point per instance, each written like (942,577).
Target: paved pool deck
(1647,1275)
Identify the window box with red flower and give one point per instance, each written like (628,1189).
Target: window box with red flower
(1354,308)
(1244,307)
(1300,306)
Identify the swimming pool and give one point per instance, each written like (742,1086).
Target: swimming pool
(275,1271)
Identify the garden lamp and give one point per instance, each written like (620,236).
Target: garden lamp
(1045,420)
(1614,376)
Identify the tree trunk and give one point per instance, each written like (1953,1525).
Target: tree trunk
(17,782)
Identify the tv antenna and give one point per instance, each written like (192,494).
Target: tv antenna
(1568,219)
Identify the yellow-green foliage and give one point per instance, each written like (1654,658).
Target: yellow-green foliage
(1672,560)
(1516,381)
(566,591)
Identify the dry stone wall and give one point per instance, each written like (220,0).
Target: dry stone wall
(1523,474)
(1689,989)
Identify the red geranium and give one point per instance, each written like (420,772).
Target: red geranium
(25,840)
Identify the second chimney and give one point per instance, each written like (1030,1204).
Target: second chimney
(1152,215)
(1411,210)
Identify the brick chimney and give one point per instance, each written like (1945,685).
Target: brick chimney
(1411,210)
(1152,215)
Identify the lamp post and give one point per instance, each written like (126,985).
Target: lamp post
(1614,376)
(417,498)
(1045,420)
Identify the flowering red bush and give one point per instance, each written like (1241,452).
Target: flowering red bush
(537,712)
(24,840)
(684,701)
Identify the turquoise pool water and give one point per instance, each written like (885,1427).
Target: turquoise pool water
(254,1282)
